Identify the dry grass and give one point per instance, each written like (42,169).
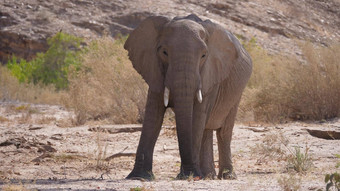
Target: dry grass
(143,188)
(3,119)
(299,161)
(25,118)
(45,120)
(64,123)
(107,86)
(284,88)
(272,147)
(170,132)
(65,157)
(169,118)
(290,182)
(101,150)
(315,86)
(96,156)
(14,187)
(11,89)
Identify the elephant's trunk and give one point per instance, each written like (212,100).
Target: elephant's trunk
(184,92)
(184,132)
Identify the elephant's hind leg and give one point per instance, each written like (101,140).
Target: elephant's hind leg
(207,155)
(224,135)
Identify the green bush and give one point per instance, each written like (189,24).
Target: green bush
(333,180)
(52,66)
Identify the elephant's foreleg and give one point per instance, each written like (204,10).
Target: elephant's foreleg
(199,119)
(207,155)
(224,135)
(154,113)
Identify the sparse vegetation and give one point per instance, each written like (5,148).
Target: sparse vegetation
(107,86)
(3,119)
(290,182)
(14,187)
(45,120)
(100,151)
(37,154)
(25,118)
(22,107)
(300,161)
(284,88)
(11,89)
(64,157)
(333,180)
(272,147)
(141,189)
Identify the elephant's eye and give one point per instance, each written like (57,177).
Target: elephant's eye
(165,53)
(203,55)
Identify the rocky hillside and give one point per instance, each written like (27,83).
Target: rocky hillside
(276,24)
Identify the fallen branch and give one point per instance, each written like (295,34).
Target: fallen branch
(34,128)
(41,157)
(117,129)
(257,130)
(122,128)
(329,135)
(120,154)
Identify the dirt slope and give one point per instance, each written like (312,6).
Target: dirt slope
(25,24)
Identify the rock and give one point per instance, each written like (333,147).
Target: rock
(26,24)
(22,46)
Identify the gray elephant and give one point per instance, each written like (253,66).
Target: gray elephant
(198,69)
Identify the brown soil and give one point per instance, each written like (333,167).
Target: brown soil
(39,151)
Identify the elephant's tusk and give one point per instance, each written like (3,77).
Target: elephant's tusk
(166,96)
(199,96)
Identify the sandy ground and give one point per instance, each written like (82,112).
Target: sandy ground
(38,151)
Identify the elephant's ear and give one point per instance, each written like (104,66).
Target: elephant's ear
(142,49)
(222,55)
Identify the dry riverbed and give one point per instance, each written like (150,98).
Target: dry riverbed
(41,149)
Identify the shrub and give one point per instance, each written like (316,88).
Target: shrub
(333,180)
(282,88)
(12,89)
(299,161)
(314,92)
(106,85)
(52,66)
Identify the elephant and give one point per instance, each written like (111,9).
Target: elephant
(199,70)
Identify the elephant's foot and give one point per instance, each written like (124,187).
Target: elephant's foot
(227,175)
(210,176)
(140,174)
(184,175)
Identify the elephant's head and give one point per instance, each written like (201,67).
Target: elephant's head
(184,58)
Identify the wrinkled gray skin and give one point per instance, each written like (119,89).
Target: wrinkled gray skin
(186,55)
